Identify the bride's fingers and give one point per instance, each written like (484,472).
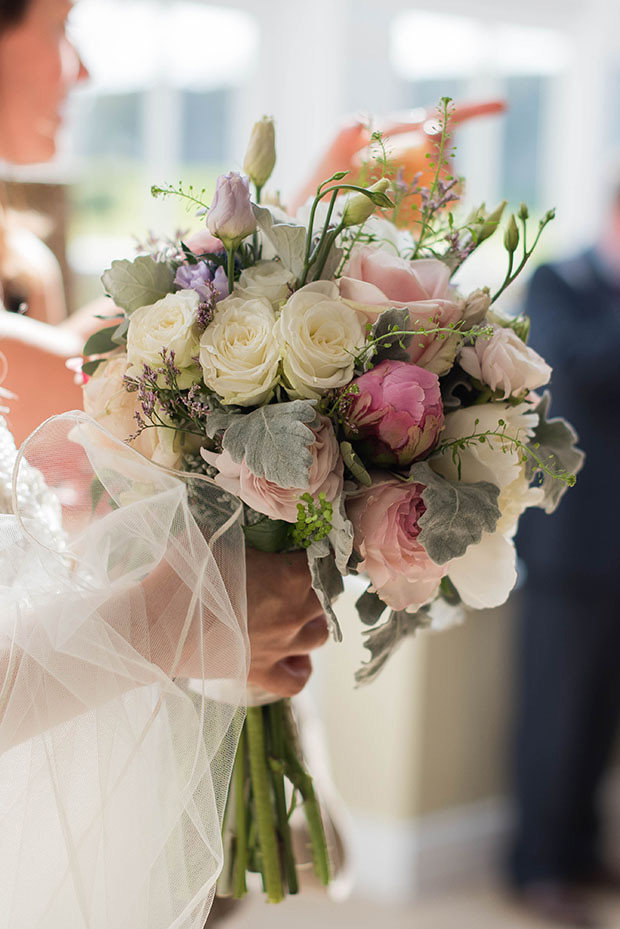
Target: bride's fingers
(313,635)
(286,678)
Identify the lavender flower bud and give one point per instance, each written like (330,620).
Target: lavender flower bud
(231,218)
(260,157)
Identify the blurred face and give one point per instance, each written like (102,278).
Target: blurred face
(38,67)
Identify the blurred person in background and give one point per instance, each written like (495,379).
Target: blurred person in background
(568,704)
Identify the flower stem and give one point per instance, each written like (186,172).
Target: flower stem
(241,848)
(300,778)
(231,269)
(263,806)
(276,711)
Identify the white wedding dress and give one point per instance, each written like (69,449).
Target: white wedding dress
(113,772)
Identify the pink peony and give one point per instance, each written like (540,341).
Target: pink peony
(385,521)
(397,415)
(374,280)
(324,476)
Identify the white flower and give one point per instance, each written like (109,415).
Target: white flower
(504,362)
(239,352)
(268,279)
(108,401)
(170,323)
(320,336)
(486,573)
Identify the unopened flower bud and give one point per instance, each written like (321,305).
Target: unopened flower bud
(360,207)
(485,228)
(523,212)
(260,156)
(511,236)
(231,218)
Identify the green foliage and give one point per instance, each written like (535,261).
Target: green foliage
(554,459)
(268,535)
(137,283)
(327,583)
(370,607)
(314,520)
(456,514)
(288,240)
(274,440)
(383,641)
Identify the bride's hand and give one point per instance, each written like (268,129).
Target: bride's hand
(285,621)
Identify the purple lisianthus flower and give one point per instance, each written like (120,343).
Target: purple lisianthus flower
(397,415)
(220,283)
(198,277)
(231,218)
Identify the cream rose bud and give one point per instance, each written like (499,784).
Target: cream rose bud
(505,363)
(268,279)
(320,337)
(239,353)
(170,323)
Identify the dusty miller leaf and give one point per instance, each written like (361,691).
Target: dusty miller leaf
(332,263)
(341,535)
(384,640)
(140,282)
(456,513)
(288,240)
(274,440)
(392,345)
(355,464)
(326,581)
(370,607)
(554,442)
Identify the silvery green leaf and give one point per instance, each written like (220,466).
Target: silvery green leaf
(370,607)
(120,336)
(100,342)
(288,240)
(332,263)
(326,581)
(455,386)
(355,464)
(384,640)
(393,347)
(341,535)
(140,282)
(555,443)
(456,513)
(274,440)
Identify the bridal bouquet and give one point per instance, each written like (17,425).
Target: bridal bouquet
(327,371)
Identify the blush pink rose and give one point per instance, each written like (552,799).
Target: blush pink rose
(385,522)
(374,280)
(397,415)
(325,476)
(203,243)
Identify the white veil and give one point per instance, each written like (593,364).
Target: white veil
(113,770)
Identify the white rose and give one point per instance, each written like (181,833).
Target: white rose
(320,336)
(268,279)
(486,573)
(504,362)
(108,401)
(239,352)
(170,323)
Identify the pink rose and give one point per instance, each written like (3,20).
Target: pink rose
(324,476)
(505,362)
(397,415)
(203,243)
(374,280)
(385,521)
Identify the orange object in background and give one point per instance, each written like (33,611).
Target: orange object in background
(410,137)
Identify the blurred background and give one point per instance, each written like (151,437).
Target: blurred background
(419,758)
